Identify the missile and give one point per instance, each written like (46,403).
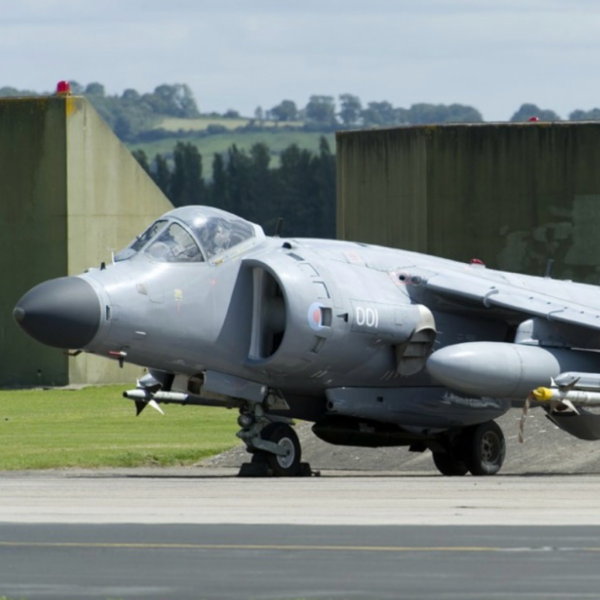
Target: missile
(568,398)
(166,397)
(571,390)
(578,381)
(504,370)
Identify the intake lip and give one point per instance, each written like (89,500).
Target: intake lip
(64,313)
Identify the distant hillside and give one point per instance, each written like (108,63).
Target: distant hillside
(206,123)
(276,139)
(154,122)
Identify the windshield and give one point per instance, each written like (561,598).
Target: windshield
(194,234)
(219,234)
(140,241)
(175,244)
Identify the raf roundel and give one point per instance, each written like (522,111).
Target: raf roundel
(315,316)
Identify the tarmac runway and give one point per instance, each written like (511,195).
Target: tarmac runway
(155,562)
(210,495)
(205,533)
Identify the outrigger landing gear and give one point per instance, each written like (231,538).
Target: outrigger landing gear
(273,443)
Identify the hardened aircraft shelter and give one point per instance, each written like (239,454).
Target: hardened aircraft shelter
(70,195)
(511,195)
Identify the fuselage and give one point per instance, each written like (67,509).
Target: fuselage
(377,346)
(302,316)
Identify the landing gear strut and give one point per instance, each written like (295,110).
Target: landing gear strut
(479,450)
(282,465)
(274,445)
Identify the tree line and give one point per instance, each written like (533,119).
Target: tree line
(324,112)
(351,113)
(134,116)
(131,113)
(301,189)
(529,111)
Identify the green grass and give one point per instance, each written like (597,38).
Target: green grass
(200,124)
(220,143)
(97,427)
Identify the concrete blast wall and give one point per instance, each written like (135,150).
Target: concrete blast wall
(70,193)
(513,195)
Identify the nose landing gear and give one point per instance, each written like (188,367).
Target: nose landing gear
(273,443)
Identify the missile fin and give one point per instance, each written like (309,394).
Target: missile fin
(155,406)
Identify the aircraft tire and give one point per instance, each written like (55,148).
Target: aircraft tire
(283,435)
(449,465)
(485,449)
(258,457)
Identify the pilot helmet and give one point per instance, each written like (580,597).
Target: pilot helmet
(221,237)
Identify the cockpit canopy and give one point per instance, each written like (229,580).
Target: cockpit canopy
(193,234)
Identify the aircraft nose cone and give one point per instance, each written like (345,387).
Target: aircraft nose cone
(64,313)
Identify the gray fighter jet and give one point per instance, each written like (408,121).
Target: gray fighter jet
(375,346)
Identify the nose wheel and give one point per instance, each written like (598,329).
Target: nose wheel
(274,445)
(284,437)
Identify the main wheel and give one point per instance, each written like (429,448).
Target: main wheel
(484,449)
(449,465)
(283,465)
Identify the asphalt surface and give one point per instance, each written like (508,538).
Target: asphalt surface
(205,533)
(278,562)
(376,524)
(215,496)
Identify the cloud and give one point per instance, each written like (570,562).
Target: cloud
(494,56)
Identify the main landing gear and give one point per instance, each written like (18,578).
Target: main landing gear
(479,450)
(273,443)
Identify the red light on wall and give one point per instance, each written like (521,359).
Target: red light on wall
(63,88)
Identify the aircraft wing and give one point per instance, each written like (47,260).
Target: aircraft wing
(494,294)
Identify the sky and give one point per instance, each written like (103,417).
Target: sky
(492,55)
